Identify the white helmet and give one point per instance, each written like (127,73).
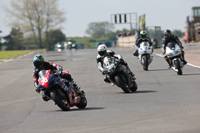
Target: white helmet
(102,49)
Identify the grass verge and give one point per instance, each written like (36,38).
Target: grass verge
(15,53)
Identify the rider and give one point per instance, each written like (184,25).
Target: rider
(168,37)
(40,64)
(69,44)
(103,52)
(142,38)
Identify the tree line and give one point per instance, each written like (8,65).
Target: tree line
(35,24)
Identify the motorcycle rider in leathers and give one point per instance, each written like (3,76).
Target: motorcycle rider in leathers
(142,38)
(40,64)
(168,37)
(103,52)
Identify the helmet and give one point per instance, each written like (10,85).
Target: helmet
(102,50)
(167,33)
(38,61)
(143,33)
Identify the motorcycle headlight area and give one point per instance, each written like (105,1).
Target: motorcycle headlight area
(178,51)
(170,54)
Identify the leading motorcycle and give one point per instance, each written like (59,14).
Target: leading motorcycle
(119,74)
(61,91)
(145,54)
(174,52)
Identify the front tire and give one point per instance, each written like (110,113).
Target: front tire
(60,100)
(178,66)
(122,84)
(145,62)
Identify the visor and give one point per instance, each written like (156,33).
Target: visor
(101,53)
(38,64)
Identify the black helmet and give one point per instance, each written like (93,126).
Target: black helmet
(167,33)
(38,61)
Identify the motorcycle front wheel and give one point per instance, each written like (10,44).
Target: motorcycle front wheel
(120,82)
(178,67)
(59,99)
(145,62)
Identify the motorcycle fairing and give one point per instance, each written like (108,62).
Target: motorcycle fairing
(44,81)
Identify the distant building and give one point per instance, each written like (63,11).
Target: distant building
(193,26)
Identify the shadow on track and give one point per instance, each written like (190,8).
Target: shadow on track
(195,74)
(86,109)
(139,91)
(77,109)
(158,69)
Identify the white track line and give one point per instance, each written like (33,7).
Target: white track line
(160,55)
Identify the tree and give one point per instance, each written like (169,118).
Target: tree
(0,41)
(178,33)
(14,40)
(36,17)
(99,29)
(54,36)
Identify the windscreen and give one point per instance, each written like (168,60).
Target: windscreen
(42,73)
(171,45)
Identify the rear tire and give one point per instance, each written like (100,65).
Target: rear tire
(58,99)
(135,87)
(122,84)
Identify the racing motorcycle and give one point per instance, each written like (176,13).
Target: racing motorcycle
(173,53)
(61,91)
(145,54)
(119,74)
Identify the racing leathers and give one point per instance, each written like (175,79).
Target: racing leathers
(56,69)
(111,53)
(139,41)
(172,38)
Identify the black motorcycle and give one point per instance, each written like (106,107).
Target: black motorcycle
(62,93)
(119,74)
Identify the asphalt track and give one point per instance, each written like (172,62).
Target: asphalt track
(164,102)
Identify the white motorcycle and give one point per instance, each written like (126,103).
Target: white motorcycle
(174,52)
(145,54)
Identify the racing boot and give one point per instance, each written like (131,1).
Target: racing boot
(183,58)
(135,53)
(184,62)
(45,98)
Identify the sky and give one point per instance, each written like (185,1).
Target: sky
(169,14)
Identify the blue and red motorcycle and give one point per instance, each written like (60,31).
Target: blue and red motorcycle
(61,91)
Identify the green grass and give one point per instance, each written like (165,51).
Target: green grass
(15,53)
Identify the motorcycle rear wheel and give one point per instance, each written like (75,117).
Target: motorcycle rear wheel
(59,100)
(83,103)
(135,87)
